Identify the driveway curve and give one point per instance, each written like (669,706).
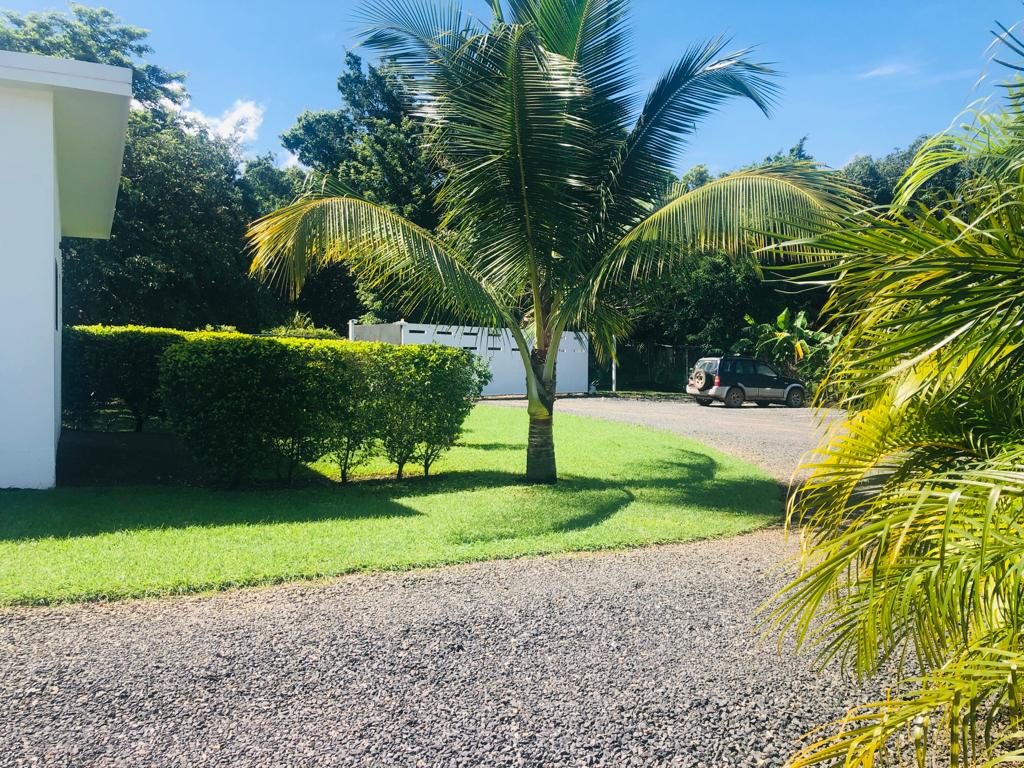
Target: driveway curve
(640,658)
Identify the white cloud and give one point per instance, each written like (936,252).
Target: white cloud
(240,122)
(290,160)
(888,70)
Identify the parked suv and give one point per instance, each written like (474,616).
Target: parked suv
(734,380)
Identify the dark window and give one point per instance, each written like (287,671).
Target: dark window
(494,349)
(444,333)
(766,370)
(470,349)
(727,366)
(412,331)
(744,367)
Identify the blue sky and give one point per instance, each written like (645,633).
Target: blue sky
(859,77)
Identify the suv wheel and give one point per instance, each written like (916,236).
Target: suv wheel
(795,398)
(734,398)
(702,380)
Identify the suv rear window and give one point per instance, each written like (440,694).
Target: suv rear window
(706,365)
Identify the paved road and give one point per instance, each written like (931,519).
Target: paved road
(630,659)
(775,438)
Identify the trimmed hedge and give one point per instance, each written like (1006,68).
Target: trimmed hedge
(248,404)
(103,365)
(245,404)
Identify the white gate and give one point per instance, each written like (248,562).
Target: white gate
(496,346)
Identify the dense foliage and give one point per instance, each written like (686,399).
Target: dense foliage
(879,178)
(913,516)
(702,303)
(247,404)
(244,404)
(107,365)
(791,344)
(175,256)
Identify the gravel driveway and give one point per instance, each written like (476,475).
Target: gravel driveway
(639,658)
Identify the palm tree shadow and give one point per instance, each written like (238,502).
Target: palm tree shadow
(686,479)
(599,514)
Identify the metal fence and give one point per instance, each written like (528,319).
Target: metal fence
(644,366)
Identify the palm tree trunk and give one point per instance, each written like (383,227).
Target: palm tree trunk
(540,447)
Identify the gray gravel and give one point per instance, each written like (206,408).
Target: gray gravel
(646,657)
(641,658)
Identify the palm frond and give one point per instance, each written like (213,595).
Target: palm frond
(331,225)
(701,81)
(739,213)
(596,35)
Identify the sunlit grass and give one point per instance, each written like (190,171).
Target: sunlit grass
(622,486)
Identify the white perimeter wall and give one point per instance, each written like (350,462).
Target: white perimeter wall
(499,349)
(29,305)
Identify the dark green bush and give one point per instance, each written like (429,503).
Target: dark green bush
(103,366)
(245,404)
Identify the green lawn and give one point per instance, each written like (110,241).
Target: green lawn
(622,486)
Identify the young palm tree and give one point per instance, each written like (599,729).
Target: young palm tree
(913,517)
(555,178)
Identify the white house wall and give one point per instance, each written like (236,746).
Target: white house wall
(29,355)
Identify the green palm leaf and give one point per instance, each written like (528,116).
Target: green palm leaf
(738,213)
(530,123)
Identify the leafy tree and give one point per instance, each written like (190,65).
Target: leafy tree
(913,515)
(552,183)
(176,253)
(797,152)
(701,303)
(175,257)
(880,178)
(376,149)
(96,35)
(266,187)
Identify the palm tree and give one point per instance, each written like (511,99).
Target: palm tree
(555,179)
(913,516)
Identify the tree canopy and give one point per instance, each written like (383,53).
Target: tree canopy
(96,35)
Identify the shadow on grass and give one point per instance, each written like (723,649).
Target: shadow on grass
(688,480)
(691,481)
